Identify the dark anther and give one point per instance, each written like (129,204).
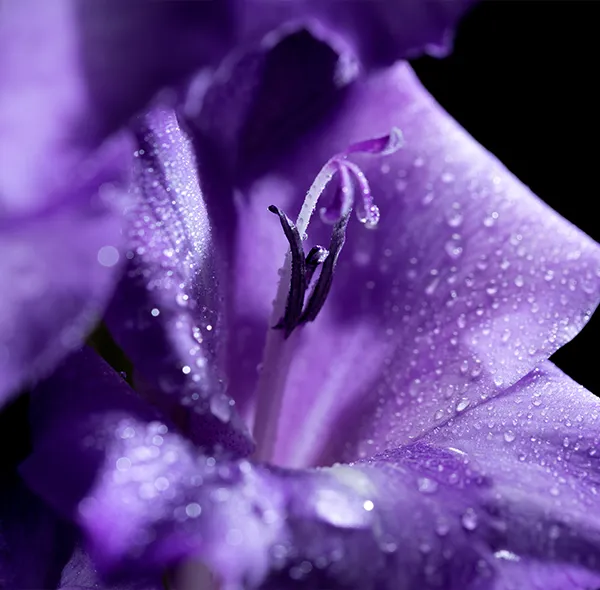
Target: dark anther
(316,256)
(298,283)
(303,269)
(323,285)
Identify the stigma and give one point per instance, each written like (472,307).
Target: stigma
(352,192)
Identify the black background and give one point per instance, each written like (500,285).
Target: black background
(522,79)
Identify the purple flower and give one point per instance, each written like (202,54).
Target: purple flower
(410,431)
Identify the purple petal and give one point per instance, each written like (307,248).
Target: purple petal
(379,33)
(66,71)
(65,82)
(168,311)
(57,270)
(465,507)
(468,282)
(153,44)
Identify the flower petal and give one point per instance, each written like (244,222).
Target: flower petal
(92,447)
(379,33)
(57,270)
(65,79)
(467,283)
(157,44)
(464,508)
(168,311)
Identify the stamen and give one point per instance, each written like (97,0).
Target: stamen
(298,271)
(323,286)
(316,256)
(298,281)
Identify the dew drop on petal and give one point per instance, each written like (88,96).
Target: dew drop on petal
(442,528)
(462,405)
(509,436)
(469,519)
(123,463)
(454,218)
(454,247)
(108,256)
(426,485)
(193,510)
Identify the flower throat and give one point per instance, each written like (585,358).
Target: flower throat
(293,306)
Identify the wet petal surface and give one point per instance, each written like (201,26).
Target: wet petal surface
(466,284)
(168,312)
(467,507)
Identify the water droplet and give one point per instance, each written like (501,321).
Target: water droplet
(428,198)
(372,217)
(128,432)
(426,485)
(193,510)
(182,299)
(454,247)
(454,218)
(123,463)
(462,405)
(432,286)
(506,555)
(108,256)
(368,505)
(469,519)
(490,220)
(155,312)
(519,281)
(509,436)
